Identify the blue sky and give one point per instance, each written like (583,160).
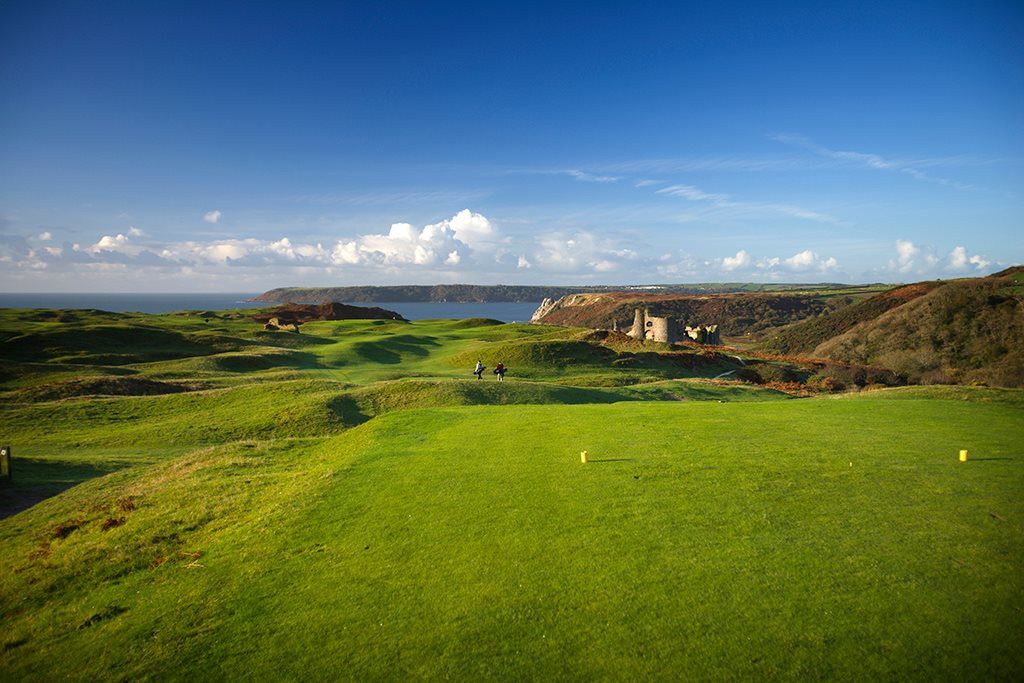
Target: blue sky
(241,146)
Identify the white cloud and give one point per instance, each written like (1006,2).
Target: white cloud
(582,252)
(677,265)
(906,251)
(913,258)
(447,243)
(473,229)
(212,216)
(740,260)
(960,260)
(44,236)
(466,245)
(135,232)
(808,260)
(404,244)
(110,243)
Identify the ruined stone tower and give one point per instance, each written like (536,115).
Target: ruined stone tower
(637,330)
(668,330)
(653,328)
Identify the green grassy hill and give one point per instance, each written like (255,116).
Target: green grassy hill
(350,503)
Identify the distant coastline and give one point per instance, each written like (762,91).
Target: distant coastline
(502,293)
(131,303)
(167,303)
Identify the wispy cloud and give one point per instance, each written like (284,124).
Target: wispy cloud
(723,205)
(390,198)
(726,163)
(574,173)
(910,167)
(590,177)
(694,194)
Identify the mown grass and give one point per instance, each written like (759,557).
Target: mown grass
(350,503)
(801,539)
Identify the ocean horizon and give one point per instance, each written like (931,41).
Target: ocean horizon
(166,303)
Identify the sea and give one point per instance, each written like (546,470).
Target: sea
(165,303)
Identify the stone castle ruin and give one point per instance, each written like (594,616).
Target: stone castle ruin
(668,330)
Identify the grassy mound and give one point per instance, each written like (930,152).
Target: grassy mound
(278,409)
(558,354)
(99,386)
(475,323)
(104,345)
(361,404)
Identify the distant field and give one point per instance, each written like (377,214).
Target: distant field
(351,503)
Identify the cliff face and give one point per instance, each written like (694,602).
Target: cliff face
(735,314)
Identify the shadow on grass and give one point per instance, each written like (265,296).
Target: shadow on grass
(611,459)
(348,411)
(36,479)
(392,350)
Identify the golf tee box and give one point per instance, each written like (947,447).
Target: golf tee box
(583,456)
(963,456)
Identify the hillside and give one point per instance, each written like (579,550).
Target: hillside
(736,314)
(804,336)
(954,331)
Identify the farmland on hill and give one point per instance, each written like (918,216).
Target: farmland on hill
(349,502)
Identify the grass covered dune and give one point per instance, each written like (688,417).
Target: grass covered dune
(822,538)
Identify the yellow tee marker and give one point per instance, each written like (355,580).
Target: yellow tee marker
(963,456)
(583,456)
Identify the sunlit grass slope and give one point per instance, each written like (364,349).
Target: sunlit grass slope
(816,538)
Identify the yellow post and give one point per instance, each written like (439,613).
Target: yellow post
(963,456)
(583,456)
